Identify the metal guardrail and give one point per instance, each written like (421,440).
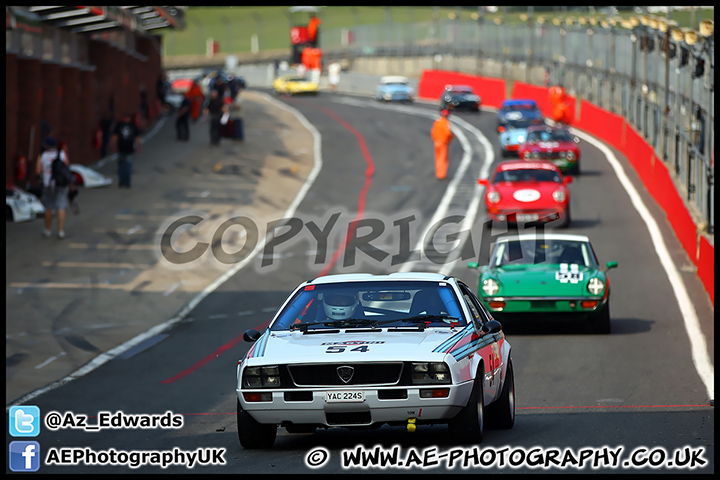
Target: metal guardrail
(664,87)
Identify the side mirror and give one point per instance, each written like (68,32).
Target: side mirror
(251,335)
(492,326)
(567,180)
(473,265)
(610,265)
(484,181)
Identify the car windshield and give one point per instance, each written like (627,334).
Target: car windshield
(542,251)
(524,123)
(549,136)
(520,106)
(374,304)
(396,84)
(527,175)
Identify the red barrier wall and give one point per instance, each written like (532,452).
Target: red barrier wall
(614,130)
(433,82)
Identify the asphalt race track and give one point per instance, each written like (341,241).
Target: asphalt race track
(636,392)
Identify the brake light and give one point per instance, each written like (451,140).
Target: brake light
(589,304)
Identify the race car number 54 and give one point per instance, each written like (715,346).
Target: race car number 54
(345,396)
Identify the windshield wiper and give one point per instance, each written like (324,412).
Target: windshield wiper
(427,319)
(348,322)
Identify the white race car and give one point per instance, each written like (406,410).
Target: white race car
(21,206)
(89,178)
(361,350)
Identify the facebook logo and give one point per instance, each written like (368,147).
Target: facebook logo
(24,421)
(24,456)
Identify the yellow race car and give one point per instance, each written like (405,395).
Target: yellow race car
(294,84)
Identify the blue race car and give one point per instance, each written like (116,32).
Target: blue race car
(514,133)
(394,88)
(517,110)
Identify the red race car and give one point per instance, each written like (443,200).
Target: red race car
(522,191)
(555,144)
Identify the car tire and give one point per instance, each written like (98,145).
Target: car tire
(568,219)
(254,435)
(468,426)
(600,322)
(501,414)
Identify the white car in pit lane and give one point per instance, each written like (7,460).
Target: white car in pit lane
(21,206)
(361,350)
(89,178)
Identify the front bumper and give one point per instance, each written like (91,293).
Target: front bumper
(560,305)
(541,216)
(381,405)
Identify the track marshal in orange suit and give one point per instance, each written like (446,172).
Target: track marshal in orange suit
(442,136)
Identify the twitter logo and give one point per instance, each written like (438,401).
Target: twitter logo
(24,421)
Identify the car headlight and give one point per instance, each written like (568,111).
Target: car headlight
(520,139)
(570,155)
(559,196)
(535,155)
(430,372)
(388,96)
(595,286)
(490,287)
(261,377)
(527,155)
(493,197)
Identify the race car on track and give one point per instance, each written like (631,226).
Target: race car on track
(519,191)
(460,97)
(89,178)
(394,88)
(552,274)
(295,85)
(21,206)
(514,110)
(555,144)
(361,350)
(513,135)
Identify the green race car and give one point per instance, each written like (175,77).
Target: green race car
(556,274)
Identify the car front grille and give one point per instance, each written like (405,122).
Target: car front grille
(326,374)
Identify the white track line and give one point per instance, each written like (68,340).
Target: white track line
(698,343)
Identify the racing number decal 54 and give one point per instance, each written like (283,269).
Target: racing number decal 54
(358,346)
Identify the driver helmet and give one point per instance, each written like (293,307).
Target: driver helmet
(339,306)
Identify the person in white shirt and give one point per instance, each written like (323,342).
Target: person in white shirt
(54,198)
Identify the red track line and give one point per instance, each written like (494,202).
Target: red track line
(212,356)
(369,171)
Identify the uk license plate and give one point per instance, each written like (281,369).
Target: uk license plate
(527,217)
(345,396)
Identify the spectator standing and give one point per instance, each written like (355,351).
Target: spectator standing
(162,89)
(313,29)
(334,75)
(182,122)
(442,136)
(54,197)
(214,110)
(126,138)
(197,99)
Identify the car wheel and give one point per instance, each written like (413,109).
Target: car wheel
(253,435)
(468,426)
(600,322)
(501,414)
(566,221)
